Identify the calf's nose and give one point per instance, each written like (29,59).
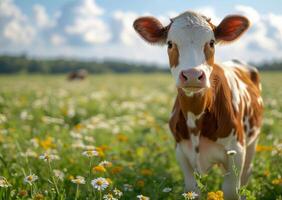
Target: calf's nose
(192,77)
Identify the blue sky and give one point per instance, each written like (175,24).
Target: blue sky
(100,29)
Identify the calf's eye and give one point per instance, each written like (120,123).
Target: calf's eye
(169,44)
(212,43)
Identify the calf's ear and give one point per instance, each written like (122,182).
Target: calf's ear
(231,28)
(151,30)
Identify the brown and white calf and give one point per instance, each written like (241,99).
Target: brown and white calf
(217,114)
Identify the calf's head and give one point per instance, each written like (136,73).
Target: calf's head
(191,40)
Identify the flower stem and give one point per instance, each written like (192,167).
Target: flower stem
(77,192)
(53,179)
(100,192)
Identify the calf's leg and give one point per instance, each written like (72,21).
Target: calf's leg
(190,182)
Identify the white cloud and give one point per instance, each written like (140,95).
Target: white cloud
(87,23)
(123,27)
(57,39)
(41,17)
(14,25)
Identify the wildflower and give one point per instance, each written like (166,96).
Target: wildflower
(59,174)
(117,192)
(47,143)
(260,148)
(109,181)
(109,197)
(141,197)
(105,163)
(116,170)
(231,152)
(30,179)
(100,183)
(49,157)
(277,181)
(98,168)
(35,142)
(190,195)
(167,189)
(140,183)
(146,172)
(215,195)
(89,139)
(79,180)
(4,183)
(127,187)
(90,153)
(23,193)
(266,172)
(38,196)
(122,138)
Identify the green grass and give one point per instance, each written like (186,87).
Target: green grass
(125,117)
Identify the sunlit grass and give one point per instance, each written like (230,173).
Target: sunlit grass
(107,137)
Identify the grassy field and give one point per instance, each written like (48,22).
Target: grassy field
(55,130)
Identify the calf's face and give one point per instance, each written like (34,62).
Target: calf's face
(191,40)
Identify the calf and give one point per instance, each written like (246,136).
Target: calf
(77,75)
(217,113)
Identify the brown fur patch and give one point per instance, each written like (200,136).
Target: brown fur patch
(209,54)
(173,55)
(177,123)
(220,117)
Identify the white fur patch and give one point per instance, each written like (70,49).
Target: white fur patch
(191,121)
(190,32)
(237,87)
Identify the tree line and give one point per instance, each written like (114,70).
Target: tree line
(23,64)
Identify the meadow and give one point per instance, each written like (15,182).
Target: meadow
(107,138)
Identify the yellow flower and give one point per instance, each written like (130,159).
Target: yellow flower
(78,127)
(146,172)
(215,195)
(116,170)
(140,183)
(277,181)
(261,148)
(98,168)
(38,196)
(47,143)
(122,138)
(266,172)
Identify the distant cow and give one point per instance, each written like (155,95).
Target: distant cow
(77,75)
(217,113)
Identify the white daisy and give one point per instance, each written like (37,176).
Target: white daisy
(59,174)
(117,192)
(190,195)
(100,183)
(109,197)
(90,153)
(105,163)
(78,180)
(167,189)
(48,157)
(4,183)
(142,197)
(30,179)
